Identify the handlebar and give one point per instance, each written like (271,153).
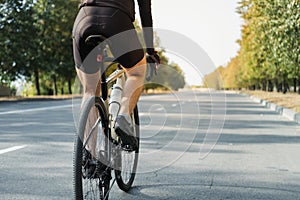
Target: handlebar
(152,66)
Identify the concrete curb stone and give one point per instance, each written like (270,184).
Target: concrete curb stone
(288,113)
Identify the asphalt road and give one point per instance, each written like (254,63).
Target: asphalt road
(195,145)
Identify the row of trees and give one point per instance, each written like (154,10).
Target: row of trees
(36,45)
(269,55)
(35,42)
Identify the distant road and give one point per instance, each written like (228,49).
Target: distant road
(255,153)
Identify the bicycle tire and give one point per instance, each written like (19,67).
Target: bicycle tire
(120,173)
(89,188)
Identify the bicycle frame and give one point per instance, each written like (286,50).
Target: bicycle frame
(111,150)
(118,73)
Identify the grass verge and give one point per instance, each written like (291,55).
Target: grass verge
(289,100)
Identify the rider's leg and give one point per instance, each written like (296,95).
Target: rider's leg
(133,87)
(131,92)
(90,84)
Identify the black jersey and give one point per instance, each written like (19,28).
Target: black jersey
(128,6)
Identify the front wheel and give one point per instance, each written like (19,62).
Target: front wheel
(91,174)
(128,160)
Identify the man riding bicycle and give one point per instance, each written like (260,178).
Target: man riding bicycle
(110,18)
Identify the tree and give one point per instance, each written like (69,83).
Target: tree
(215,79)
(15,42)
(62,67)
(35,38)
(269,53)
(36,44)
(54,22)
(169,75)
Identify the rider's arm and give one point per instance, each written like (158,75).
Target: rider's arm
(146,19)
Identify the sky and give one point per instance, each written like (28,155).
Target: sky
(213,24)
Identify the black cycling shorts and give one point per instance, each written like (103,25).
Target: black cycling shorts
(111,23)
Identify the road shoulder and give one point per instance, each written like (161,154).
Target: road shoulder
(286,112)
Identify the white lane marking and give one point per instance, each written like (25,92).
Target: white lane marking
(34,109)
(12,149)
(159,109)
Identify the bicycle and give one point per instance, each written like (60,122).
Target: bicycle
(92,172)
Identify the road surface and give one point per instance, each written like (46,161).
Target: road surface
(195,145)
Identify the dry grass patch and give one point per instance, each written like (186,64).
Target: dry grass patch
(289,100)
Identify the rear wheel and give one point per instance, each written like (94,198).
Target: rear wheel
(127,160)
(91,174)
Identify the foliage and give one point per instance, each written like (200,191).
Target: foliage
(15,40)
(269,53)
(36,45)
(169,76)
(214,79)
(35,38)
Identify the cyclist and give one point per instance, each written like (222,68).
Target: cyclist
(109,18)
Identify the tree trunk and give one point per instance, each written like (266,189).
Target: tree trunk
(55,85)
(276,84)
(284,89)
(270,86)
(280,87)
(298,85)
(258,86)
(37,82)
(295,85)
(264,85)
(70,86)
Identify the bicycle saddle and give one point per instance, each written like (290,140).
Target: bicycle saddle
(94,40)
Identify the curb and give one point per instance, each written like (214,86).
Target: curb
(288,113)
(37,98)
(31,99)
